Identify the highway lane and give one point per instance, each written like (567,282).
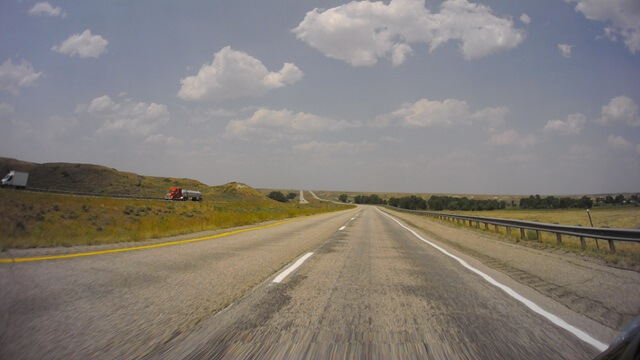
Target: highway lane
(374,290)
(126,305)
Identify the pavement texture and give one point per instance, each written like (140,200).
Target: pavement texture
(125,305)
(370,290)
(608,295)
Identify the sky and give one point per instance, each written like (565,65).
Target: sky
(454,96)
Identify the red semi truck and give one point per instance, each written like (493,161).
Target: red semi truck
(176,193)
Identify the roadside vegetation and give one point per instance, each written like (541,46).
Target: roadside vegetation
(608,211)
(627,255)
(43,220)
(627,217)
(279,196)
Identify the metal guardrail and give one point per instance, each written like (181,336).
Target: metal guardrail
(610,235)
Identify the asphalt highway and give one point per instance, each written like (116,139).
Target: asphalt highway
(354,284)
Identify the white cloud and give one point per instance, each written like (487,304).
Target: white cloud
(342,147)
(391,139)
(623,15)
(620,143)
(44,8)
(6,110)
(517,158)
(58,126)
(426,113)
(83,45)
(573,125)
(512,137)
(361,32)
(565,50)
(136,117)
(16,76)
(273,125)
(202,115)
(525,19)
(235,74)
(161,139)
(493,116)
(620,109)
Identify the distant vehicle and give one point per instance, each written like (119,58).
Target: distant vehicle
(176,193)
(15,179)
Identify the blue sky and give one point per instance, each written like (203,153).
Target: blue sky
(447,96)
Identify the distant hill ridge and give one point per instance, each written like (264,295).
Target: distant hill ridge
(99,179)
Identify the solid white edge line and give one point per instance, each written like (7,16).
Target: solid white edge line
(528,303)
(342,228)
(291,268)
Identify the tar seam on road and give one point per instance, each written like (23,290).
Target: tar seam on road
(291,268)
(528,303)
(143,247)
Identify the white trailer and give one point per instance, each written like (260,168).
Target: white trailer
(191,194)
(16,179)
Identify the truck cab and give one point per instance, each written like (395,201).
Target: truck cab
(175,193)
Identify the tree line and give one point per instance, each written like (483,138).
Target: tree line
(435,202)
(439,203)
(552,202)
(279,196)
(618,200)
(372,199)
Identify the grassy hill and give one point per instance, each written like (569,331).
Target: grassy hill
(98,179)
(40,219)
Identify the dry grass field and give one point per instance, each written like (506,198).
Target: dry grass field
(627,217)
(42,220)
(37,219)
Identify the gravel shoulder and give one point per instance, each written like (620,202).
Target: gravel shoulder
(607,295)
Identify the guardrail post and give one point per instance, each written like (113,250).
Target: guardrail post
(609,235)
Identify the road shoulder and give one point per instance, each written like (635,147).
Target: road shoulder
(607,295)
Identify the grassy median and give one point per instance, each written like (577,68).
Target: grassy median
(42,220)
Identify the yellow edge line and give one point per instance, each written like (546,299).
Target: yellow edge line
(143,247)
